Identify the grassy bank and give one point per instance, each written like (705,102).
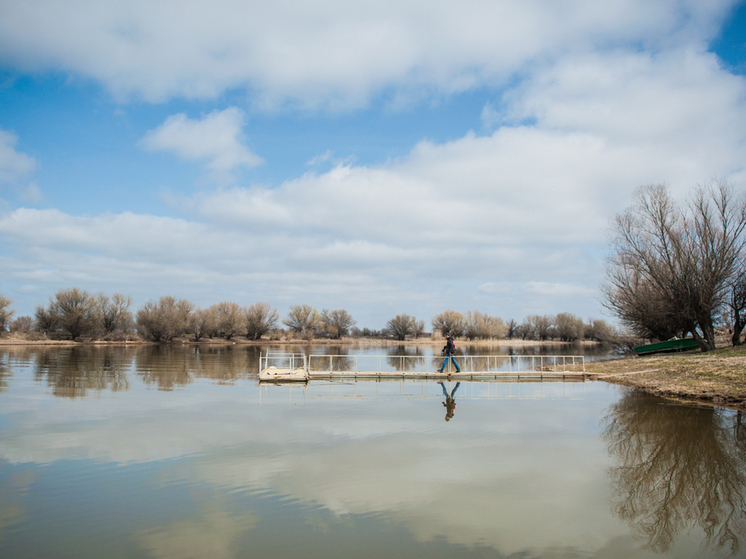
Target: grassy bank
(717,377)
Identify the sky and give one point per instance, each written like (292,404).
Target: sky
(379,157)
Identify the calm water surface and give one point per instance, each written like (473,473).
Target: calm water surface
(178,452)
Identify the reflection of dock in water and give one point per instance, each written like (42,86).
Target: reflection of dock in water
(407,388)
(298,367)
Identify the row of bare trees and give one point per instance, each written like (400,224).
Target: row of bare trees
(169,318)
(77,313)
(74,313)
(563,326)
(307,322)
(475,325)
(677,270)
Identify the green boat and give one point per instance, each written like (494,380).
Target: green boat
(674,344)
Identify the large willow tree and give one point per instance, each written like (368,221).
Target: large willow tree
(671,268)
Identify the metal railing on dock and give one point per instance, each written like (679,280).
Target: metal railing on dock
(281,360)
(408,365)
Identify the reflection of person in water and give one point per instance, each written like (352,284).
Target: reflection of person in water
(450,402)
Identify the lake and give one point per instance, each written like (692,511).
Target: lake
(178,452)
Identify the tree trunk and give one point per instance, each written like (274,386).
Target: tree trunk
(736,338)
(738,324)
(705,341)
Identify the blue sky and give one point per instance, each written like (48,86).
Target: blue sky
(381,157)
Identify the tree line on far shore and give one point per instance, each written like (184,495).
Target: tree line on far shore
(75,314)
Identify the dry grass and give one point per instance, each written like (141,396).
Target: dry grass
(717,377)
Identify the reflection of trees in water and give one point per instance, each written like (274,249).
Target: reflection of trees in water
(163,366)
(404,358)
(340,361)
(326,358)
(678,467)
(4,372)
(21,355)
(73,371)
(169,367)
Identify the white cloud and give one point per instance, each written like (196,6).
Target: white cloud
(216,139)
(32,193)
(493,287)
(14,165)
(557,289)
(525,206)
(448,225)
(336,54)
(676,97)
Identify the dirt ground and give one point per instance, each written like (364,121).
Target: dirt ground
(716,378)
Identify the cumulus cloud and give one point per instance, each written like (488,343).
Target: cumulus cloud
(14,165)
(335,54)
(594,100)
(215,139)
(523,189)
(513,221)
(673,97)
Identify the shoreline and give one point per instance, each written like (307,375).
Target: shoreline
(716,378)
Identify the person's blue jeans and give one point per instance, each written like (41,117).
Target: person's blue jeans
(453,359)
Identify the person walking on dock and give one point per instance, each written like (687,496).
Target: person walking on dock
(449,350)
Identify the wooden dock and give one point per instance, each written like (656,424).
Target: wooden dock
(273,374)
(301,368)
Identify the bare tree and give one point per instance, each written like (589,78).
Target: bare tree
(569,327)
(540,325)
(599,330)
(260,318)
(113,315)
(303,320)
(5,312)
(337,323)
(644,308)
(525,330)
(203,322)
(449,321)
(230,319)
(418,328)
(70,310)
(483,326)
(670,269)
(22,325)
(402,325)
(511,329)
(164,320)
(44,320)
